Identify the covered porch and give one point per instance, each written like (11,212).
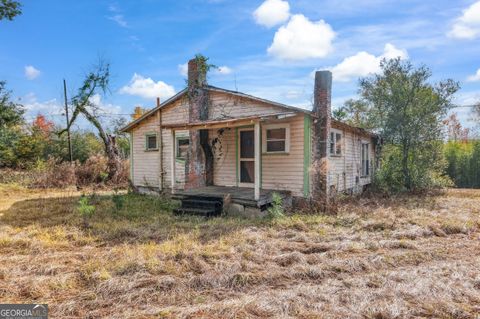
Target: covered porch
(250,190)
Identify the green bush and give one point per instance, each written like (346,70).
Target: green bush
(276,210)
(427,166)
(463,163)
(85,210)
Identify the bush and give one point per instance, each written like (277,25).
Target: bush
(85,210)
(426,166)
(51,174)
(54,173)
(92,170)
(276,210)
(463,160)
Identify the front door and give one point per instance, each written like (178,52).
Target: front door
(246,161)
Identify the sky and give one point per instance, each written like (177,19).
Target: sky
(265,48)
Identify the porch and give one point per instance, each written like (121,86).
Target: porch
(247,159)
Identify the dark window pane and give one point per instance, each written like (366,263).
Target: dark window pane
(338,143)
(247,171)
(332,143)
(275,146)
(247,148)
(276,134)
(182,148)
(152,142)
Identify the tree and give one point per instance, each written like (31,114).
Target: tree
(407,111)
(455,131)
(9,9)
(355,113)
(138,112)
(96,82)
(11,113)
(11,119)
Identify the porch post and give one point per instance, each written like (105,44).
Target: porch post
(257,159)
(172,167)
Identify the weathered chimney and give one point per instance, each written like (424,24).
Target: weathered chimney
(322,97)
(199,163)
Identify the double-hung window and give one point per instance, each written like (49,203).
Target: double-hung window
(365,159)
(276,138)
(335,143)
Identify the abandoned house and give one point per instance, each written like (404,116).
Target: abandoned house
(218,149)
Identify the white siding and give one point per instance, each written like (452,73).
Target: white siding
(146,168)
(344,171)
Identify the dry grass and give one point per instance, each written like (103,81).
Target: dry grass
(378,258)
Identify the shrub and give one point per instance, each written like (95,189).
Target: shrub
(85,210)
(91,171)
(51,174)
(276,210)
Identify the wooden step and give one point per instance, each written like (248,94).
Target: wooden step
(200,203)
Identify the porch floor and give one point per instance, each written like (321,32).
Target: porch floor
(240,195)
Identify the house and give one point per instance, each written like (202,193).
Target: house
(208,144)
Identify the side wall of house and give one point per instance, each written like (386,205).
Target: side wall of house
(345,170)
(146,164)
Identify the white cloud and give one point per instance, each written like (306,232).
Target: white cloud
(147,88)
(31,72)
(183,69)
(33,106)
(224,70)
(302,39)
(119,19)
(364,63)
(475,77)
(103,107)
(272,12)
(467,26)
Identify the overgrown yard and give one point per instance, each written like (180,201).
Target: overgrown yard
(378,258)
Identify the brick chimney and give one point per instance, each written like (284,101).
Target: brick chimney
(199,163)
(322,100)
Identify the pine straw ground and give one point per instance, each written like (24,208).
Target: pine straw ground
(378,258)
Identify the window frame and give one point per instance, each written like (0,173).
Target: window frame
(267,127)
(147,136)
(334,142)
(365,163)
(177,139)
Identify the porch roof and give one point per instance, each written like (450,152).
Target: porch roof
(228,122)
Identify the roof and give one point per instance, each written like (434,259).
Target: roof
(213,89)
(244,95)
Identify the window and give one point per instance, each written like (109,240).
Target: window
(182,147)
(365,159)
(335,143)
(151,142)
(276,138)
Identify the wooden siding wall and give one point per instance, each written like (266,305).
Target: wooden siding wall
(225,160)
(343,170)
(146,168)
(146,164)
(285,171)
(228,106)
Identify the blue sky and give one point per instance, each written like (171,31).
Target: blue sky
(266,48)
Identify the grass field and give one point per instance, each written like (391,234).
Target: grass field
(404,257)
